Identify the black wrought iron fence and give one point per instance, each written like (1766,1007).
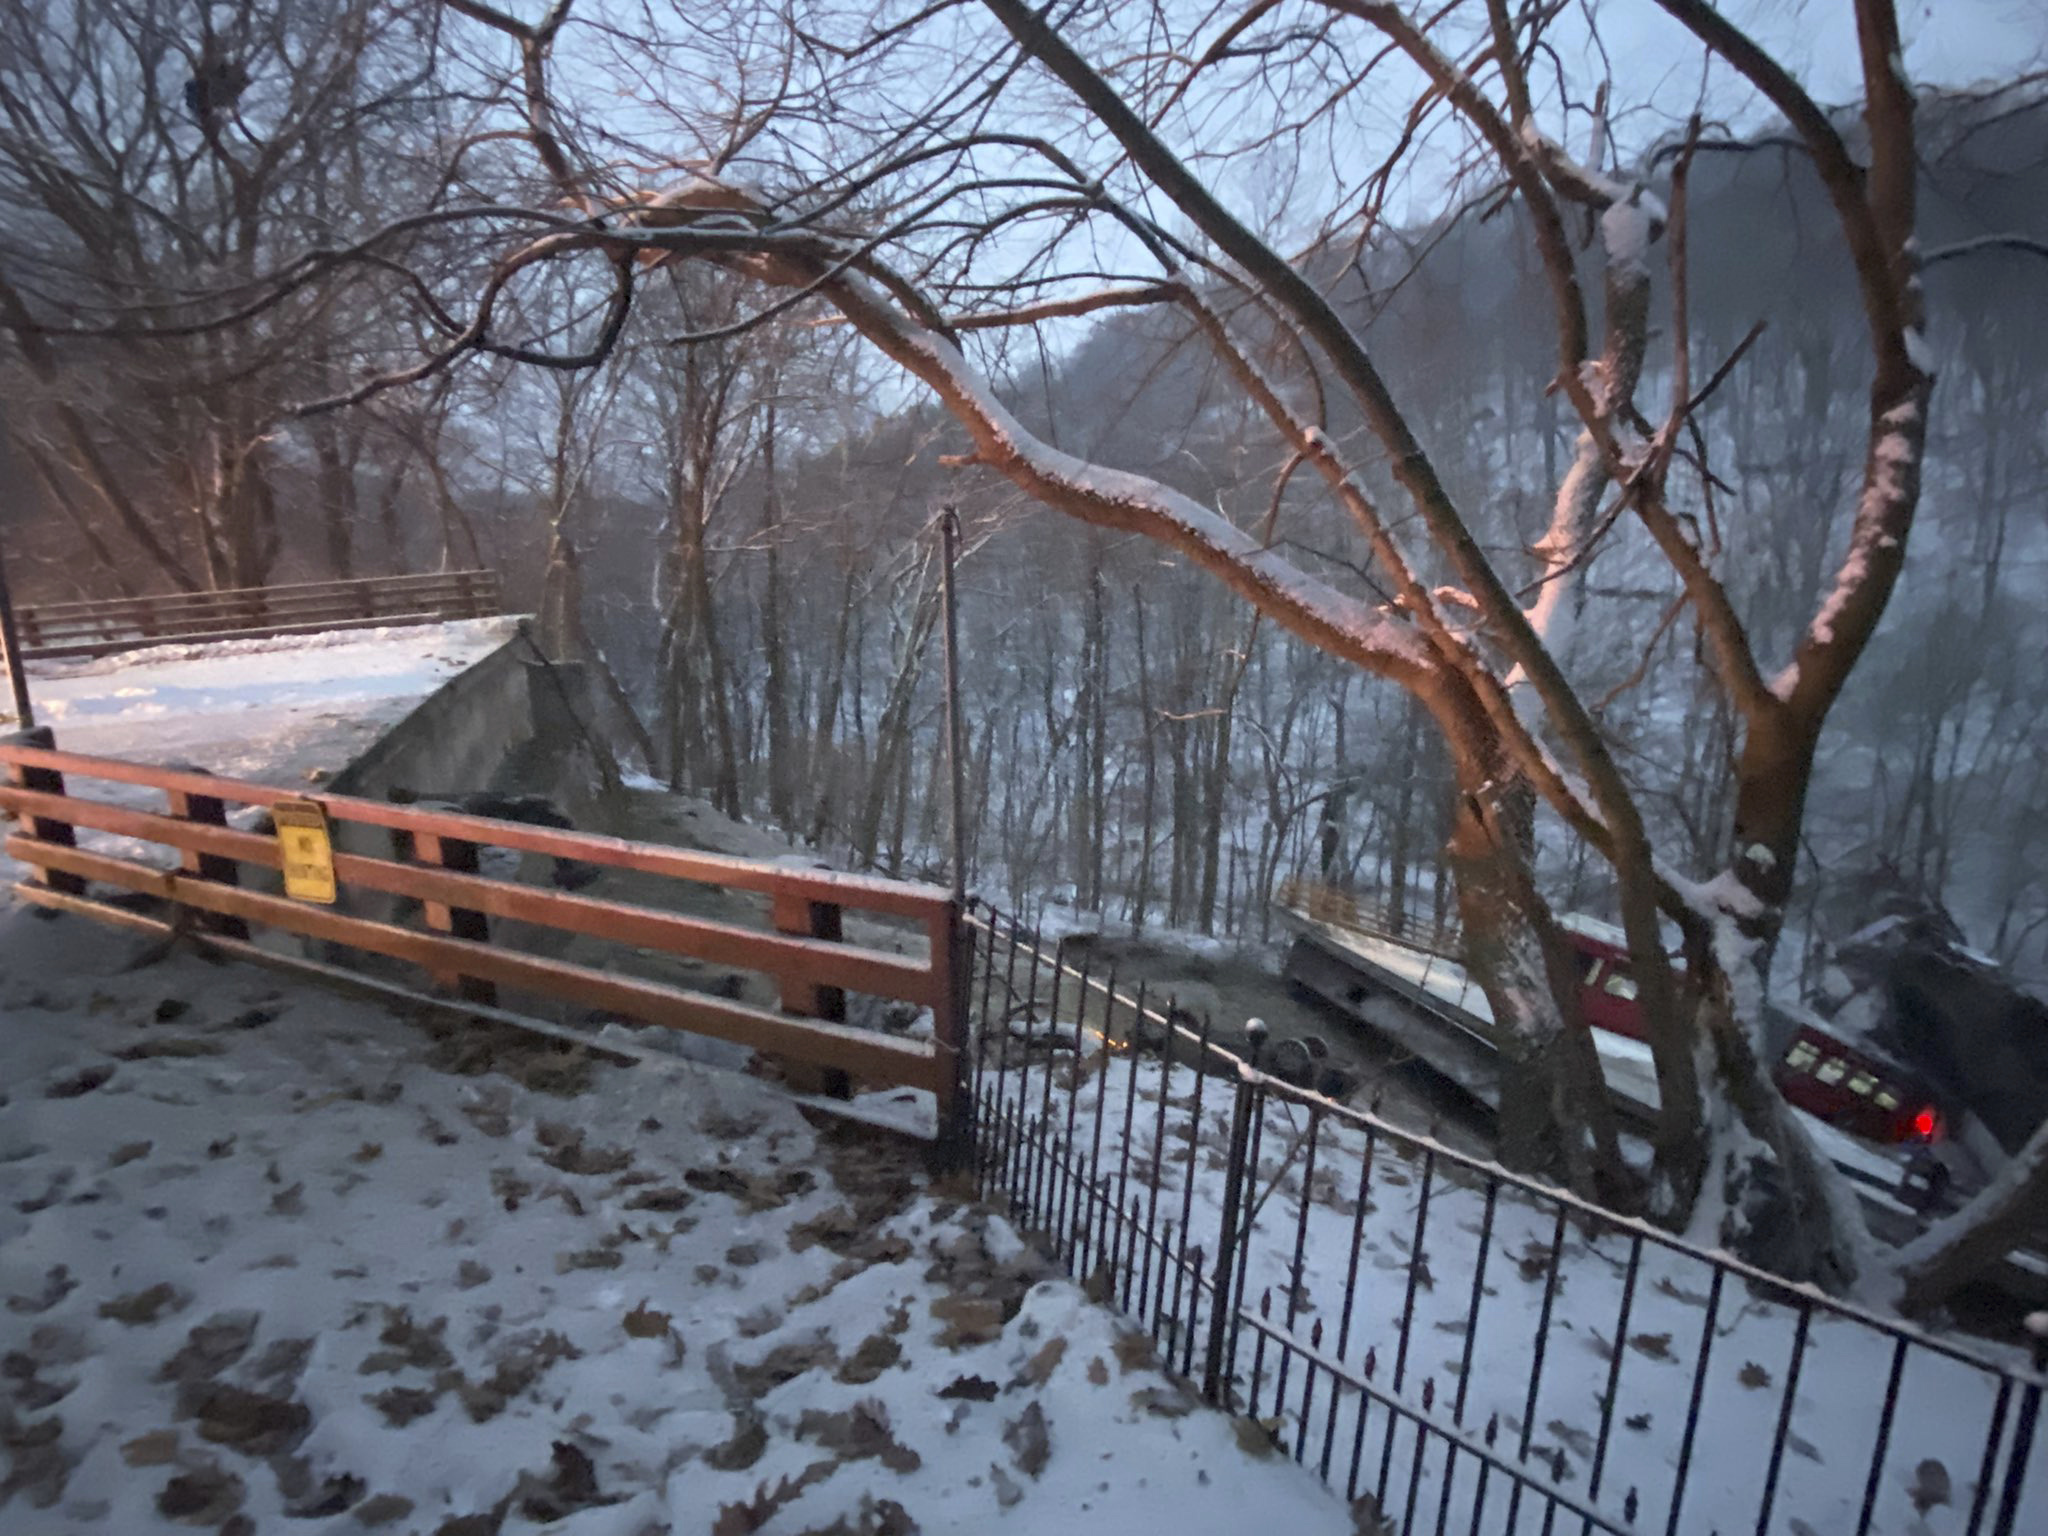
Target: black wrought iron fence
(1451,1346)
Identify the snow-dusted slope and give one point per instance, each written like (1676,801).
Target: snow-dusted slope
(268,1252)
(271,1256)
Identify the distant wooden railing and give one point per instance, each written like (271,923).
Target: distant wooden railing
(103,626)
(1346,909)
(216,872)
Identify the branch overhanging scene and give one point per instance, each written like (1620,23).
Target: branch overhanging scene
(1306,593)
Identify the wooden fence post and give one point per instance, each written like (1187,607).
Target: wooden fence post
(798,915)
(459,855)
(211,811)
(952,944)
(50,782)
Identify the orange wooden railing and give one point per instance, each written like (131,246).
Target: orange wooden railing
(225,879)
(103,626)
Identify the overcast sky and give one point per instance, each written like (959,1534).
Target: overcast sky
(1949,42)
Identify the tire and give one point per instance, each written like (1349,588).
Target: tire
(1292,1061)
(1335,1083)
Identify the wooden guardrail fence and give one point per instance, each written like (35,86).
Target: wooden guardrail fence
(219,873)
(103,626)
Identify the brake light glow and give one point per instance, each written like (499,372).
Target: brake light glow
(1924,1123)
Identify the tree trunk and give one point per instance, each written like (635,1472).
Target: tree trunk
(892,729)
(1148,804)
(725,775)
(1744,1168)
(1216,788)
(824,766)
(1098,730)
(1556,1119)
(775,687)
(337,483)
(1400,823)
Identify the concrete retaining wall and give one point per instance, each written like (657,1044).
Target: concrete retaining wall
(513,723)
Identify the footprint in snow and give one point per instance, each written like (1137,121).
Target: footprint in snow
(57,1284)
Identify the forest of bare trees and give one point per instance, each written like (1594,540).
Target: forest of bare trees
(1391,443)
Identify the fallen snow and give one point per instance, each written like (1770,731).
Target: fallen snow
(1631,224)
(275,1259)
(1480,1356)
(283,711)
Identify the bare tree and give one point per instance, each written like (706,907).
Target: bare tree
(158,153)
(828,164)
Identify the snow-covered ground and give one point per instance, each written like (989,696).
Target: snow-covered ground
(1363,1216)
(272,1257)
(283,711)
(270,1252)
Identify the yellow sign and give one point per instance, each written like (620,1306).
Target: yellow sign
(307,849)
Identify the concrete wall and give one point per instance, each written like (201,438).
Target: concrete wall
(454,738)
(513,723)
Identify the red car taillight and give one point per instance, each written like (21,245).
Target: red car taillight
(1925,1123)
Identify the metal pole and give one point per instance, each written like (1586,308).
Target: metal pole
(956,789)
(10,634)
(957,1108)
(2022,1452)
(10,648)
(1216,1381)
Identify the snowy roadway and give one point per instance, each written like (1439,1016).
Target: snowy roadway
(275,711)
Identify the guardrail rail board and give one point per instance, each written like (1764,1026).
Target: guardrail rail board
(208,875)
(104,626)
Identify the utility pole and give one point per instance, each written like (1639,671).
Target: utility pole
(956,1035)
(956,788)
(10,637)
(10,648)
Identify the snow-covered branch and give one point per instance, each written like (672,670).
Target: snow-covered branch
(1126,296)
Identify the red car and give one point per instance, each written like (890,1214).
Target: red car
(1859,1092)
(1828,1078)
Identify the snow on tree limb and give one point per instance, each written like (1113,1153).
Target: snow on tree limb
(1118,499)
(1876,210)
(1311,310)
(1877,551)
